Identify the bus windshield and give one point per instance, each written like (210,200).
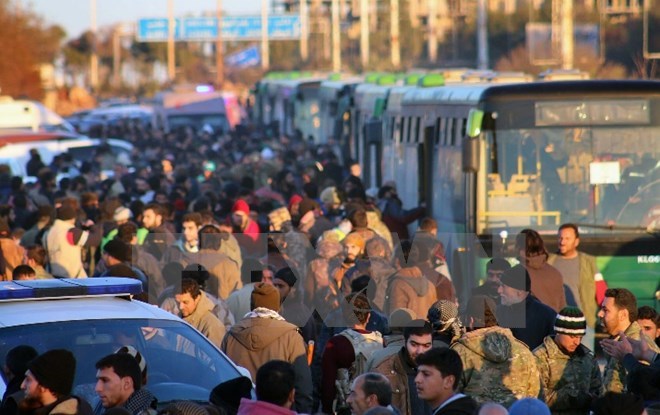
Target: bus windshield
(595,176)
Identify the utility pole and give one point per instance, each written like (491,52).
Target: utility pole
(94,60)
(265,52)
(364,33)
(219,56)
(171,65)
(304,32)
(433,30)
(394,28)
(567,38)
(336,39)
(116,56)
(482,35)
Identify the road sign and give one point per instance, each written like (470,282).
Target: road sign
(280,27)
(243,58)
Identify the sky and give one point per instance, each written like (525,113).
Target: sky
(75,15)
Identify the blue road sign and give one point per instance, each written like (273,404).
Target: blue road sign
(246,57)
(280,27)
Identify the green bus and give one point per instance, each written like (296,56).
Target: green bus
(489,160)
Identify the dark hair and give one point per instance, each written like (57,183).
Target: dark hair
(482,309)
(22,270)
(126,232)
(210,237)
(613,403)
(377,384)
(254,268)
(188,286)
(192,217)
(358,218)
(428,225)
(446,360)
(570,226)
(498,264)
(275,381)
(365,285)
(124,365)
(623,298)
(356,306)
(17,359)
(37,253)
(531,242)
(159,210)
(647,313)
(417,327)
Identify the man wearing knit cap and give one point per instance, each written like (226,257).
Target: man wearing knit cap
(528,318)
(353,245)
(243,224)
(570,375)
(263,335)
(291,305)
(48,383)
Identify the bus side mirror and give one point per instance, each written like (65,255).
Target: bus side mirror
(470,154)
(374,131)
(475,119)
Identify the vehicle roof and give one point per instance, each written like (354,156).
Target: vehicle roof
(122,110)
(26,312)
(24,136)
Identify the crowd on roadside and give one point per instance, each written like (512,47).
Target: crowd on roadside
(276,251)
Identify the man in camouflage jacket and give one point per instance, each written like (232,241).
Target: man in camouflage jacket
(497,367)
(570,375)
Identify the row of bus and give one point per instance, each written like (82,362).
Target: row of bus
(491,157)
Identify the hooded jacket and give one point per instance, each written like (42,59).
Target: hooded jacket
(569,381)
(254,341)
(547,282)
(204,320)
(410,289)
(497,367)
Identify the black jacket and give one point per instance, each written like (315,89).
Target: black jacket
(461,406)
(530,320)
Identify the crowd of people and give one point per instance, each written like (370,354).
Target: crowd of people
(279,255)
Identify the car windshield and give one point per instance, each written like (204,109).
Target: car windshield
(181,363)
(601,176)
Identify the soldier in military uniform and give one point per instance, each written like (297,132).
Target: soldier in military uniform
(570,375)
(497,367)
(617,314)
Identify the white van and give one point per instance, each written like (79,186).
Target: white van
(30,115)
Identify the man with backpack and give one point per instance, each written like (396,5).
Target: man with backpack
(346,355)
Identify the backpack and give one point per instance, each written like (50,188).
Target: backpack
(364,345)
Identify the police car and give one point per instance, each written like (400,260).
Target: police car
(94,317)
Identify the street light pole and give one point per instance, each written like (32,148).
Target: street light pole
(394,28)
(94,61)
(265,51)
(171,65)
(336,40)
(219,58)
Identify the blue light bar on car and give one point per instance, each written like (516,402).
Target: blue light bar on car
(69,287)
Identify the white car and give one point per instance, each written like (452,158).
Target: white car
(93,317)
